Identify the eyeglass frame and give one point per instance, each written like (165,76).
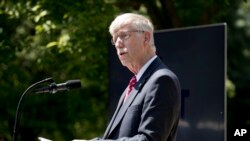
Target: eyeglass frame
(124,36)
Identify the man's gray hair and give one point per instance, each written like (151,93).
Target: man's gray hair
(137,21)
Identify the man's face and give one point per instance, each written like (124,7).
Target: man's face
(129,44)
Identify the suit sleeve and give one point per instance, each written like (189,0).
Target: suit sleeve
(161,110)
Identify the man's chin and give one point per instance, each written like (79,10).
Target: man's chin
(125,64)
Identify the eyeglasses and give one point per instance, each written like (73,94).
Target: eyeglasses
(124,35)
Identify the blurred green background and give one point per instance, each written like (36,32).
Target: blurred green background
(68,39)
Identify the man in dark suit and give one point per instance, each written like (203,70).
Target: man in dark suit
(148,110)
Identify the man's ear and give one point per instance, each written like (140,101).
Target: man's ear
(147,37)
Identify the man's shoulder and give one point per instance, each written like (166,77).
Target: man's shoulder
(163,70)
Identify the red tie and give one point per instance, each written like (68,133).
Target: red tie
(131,85)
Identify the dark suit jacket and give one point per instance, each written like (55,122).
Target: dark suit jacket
(152,110)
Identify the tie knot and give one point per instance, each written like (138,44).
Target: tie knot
(132,82)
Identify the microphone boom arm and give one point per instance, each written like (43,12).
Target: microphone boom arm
(20,101)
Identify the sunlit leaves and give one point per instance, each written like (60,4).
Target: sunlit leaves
(230,89)
(63,40)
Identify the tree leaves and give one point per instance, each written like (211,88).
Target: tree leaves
(69,39)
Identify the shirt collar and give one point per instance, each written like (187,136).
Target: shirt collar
(145,66)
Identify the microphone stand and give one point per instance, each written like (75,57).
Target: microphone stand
(20,101)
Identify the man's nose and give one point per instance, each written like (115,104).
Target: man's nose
(119,42)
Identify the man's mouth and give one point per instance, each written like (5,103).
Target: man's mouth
(122,53)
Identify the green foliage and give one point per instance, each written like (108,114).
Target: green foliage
(68,39)
(59,39)
(239,47)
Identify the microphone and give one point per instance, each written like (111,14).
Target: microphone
(53,87)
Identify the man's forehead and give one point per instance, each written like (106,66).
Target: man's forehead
(122,29)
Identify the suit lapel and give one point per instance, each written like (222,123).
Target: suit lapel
(121,110)
(114,115)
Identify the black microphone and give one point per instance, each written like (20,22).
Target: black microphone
(53,87)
